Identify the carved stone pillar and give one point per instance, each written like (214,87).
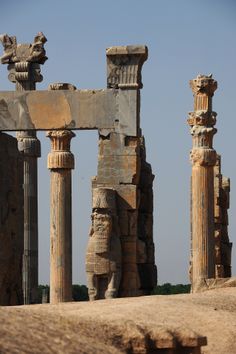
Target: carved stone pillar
(60,162)
(24,70)
(203,158)
(29,146)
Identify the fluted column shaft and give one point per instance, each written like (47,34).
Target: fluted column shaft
(60,162)
(29,146)
(203,158)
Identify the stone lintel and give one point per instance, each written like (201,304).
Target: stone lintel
(114,110)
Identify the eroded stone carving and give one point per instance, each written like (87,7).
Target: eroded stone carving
(124,66)
(103,258)
(13,52)
(24,60)
(9,45)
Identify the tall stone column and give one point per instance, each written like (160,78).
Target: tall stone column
(60,162)
(203,158)
(24,70)
(29,146)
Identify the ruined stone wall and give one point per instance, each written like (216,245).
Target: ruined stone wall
(221,205)
(11,221)
(122,166)
(146,257)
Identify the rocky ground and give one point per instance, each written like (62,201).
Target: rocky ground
(120,325)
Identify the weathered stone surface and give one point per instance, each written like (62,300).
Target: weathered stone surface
(11,223)
(223,246)
(127,195)
(118,144)
(118,169)
(145,250)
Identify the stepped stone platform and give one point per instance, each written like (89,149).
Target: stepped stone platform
(129,325)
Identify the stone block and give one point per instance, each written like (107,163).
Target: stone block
(119,145)
(145,226)
(146,202)
(123,222)
(150,252)
(141,252)
(133,222)
(148,276)
(115,169)
(127,195)
(129,250)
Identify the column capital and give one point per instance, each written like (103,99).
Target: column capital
(124,65)
(24,60)
(203,85)
(28,143)
(203,157)
(202,118)
(60,156)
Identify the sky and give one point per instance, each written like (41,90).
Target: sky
(184,38)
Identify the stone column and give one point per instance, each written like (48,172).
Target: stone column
(60,162)
(203,158)
(29,146)
(24,70)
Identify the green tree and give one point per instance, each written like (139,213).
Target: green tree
(170,289)
(80,292)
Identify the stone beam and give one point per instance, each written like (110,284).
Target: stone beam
(106,110)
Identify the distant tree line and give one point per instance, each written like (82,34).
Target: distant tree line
(80,292)
(170,289)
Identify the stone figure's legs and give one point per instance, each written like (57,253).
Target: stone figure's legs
(113,285)
(92,283)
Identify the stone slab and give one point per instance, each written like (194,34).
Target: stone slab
(112,110)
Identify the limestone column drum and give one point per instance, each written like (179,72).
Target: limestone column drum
(203,158)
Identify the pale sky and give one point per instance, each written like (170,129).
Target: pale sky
(184,38)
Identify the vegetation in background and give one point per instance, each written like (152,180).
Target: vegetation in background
(170,289)
(79,292)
